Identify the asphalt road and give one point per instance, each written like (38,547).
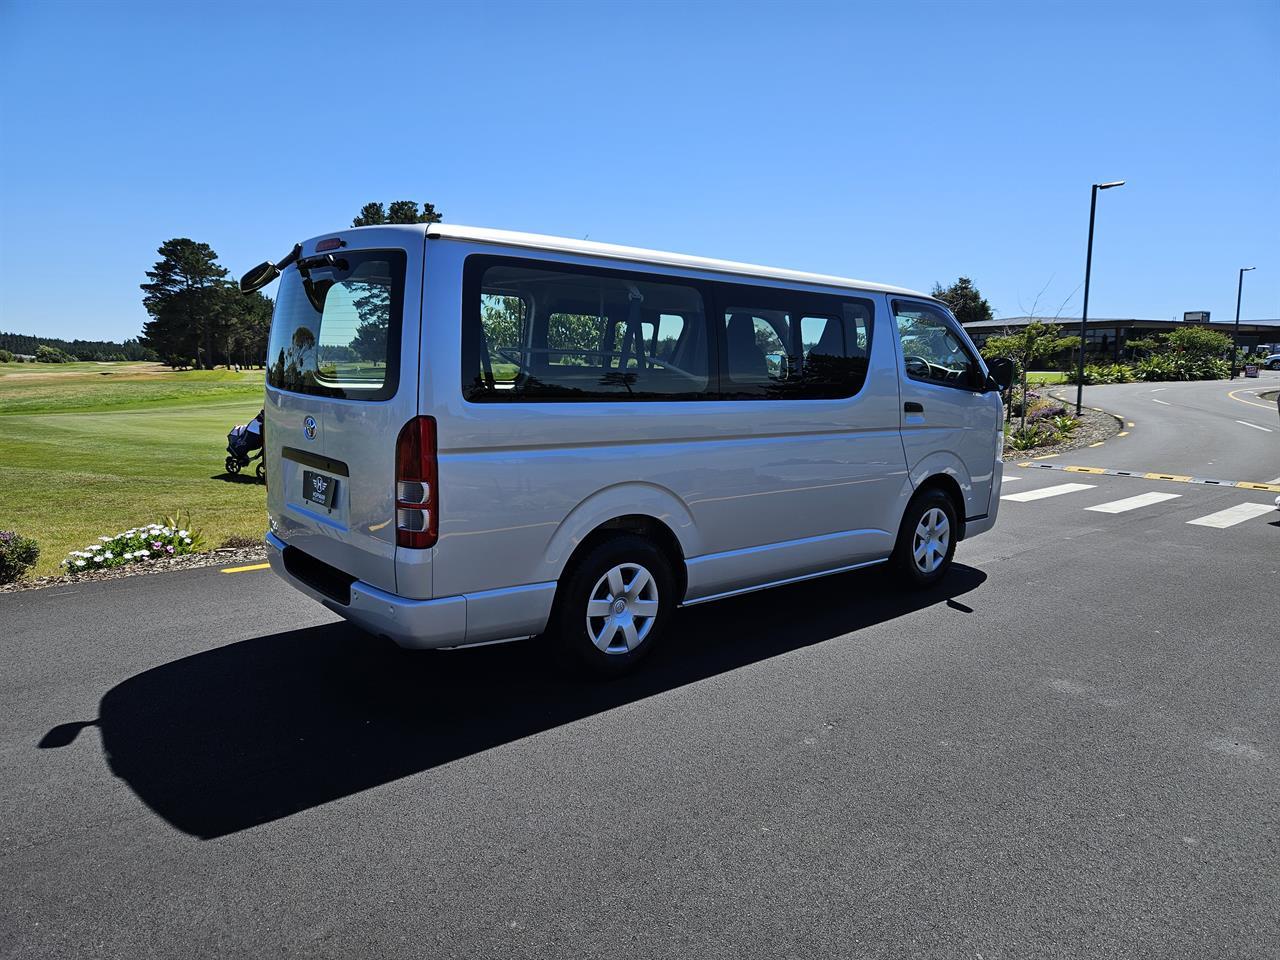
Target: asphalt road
(1214,429)
(1071,749)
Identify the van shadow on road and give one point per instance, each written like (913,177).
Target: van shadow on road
(258,730)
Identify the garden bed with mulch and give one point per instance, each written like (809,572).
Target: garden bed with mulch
(221,557)
(1095,427)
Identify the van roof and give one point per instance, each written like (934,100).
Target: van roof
(591,248)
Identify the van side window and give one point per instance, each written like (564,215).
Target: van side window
(795,346)
(932,350)
(667,335)
(543,331)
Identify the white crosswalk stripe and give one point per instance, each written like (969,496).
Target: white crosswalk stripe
(1044,492)
(1013,479)
(1133,503)
(1233,515)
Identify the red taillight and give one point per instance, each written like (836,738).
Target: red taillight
(332,243)
(417,493)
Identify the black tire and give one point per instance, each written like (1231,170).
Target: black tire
(912,571)
(1274,365)
(570,625)
(260,471)
(233,465)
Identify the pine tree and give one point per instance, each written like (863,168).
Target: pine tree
(371,214)
(182,301)
(964,300)
(400,211)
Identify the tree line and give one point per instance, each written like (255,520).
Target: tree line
(21,344)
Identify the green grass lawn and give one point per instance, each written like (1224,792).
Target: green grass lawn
(1042,377)
(93,449)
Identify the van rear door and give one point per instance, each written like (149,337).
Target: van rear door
(342,379)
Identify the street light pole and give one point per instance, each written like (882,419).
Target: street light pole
(1235,333)
(1088,269)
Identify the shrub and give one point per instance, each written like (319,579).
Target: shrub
(18,554)
(48,354)
(1046,411)
(1182,366)
(1032,435)
(6,356)
(1016,400)
(155,541)
(1156,367)
(1105,373)
(1198,342)
(1065,423)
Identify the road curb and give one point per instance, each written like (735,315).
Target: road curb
(1114,416)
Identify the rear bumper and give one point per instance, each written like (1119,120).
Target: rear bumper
(427,624)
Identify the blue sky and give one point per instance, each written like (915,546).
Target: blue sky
(903,143)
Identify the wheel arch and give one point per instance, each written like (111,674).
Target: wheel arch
(646,509)
(948,484)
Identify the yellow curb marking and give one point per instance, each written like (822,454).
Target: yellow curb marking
(1085,469)
(1132,424)
(252,566)
(1047,456)
(1179,478)
(1252,403)
(1270,487)
(1098,444)
(1123,433)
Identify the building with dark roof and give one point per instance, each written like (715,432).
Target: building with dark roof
(1106,337)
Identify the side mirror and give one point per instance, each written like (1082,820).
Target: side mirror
(259,277)
(1001,370)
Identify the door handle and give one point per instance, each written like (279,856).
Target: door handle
(912,407)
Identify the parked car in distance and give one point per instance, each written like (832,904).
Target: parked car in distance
(1272,361)
(476,435)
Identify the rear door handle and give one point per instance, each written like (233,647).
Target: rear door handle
(912,407)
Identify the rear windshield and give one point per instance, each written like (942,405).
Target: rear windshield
(336,327)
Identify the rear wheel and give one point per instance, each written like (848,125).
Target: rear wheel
(260,471)
(926,539)
(615,604)
(233,465)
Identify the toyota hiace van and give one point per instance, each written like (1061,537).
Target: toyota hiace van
(474,435)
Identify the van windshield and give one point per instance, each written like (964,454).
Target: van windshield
(336,327)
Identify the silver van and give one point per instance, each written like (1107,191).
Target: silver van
(475,435)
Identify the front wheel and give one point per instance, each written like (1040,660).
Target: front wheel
(233,465)
(615,604)
(926,539)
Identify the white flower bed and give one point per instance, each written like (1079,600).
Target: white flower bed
(155,541)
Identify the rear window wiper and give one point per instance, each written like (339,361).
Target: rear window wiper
(317,291)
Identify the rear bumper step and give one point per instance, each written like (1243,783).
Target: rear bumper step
(416,624)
